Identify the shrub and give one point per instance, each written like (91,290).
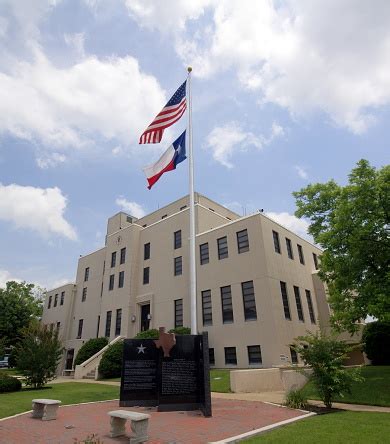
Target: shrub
(376,342)
(325,355)
(37,354)
(111,363)
(9,384)
(88,349)
(295,399)
(181,331)
(147,334)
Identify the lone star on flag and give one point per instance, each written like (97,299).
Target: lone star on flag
(141,349)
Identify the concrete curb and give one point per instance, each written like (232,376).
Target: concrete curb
(262,430)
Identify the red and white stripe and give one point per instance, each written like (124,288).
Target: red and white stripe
(165,118)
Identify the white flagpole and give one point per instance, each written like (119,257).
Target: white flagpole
(194,327)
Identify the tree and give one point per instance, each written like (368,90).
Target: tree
(325,355)
(38,353)
(19,304)
(352,224)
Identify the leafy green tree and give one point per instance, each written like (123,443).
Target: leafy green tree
(91,347)
(19,304)
(111,363)
(352,224)
(38,353)
(376,342)
(325,355)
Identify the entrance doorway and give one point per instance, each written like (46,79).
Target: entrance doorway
(69,359)
(145,317)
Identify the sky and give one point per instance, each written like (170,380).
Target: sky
(285,93)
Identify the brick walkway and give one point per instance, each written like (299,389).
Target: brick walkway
(230,418)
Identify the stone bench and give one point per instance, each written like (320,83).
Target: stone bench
(139,425)
(46,409)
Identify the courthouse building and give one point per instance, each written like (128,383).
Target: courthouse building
(257,284)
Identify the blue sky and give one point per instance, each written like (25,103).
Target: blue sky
(285,93)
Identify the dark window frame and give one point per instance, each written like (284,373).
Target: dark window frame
(107,331)
(211,356)
(122,255)
(62,298)
(315,260)
(204,253)
(118,322)
(223,248)
(111,282)
(300,254)
(146,251)
(86,274)
(242,241)
(276,239)
(294,356)
(121,279)
(285,300)
(249,301)
(227,305)
(146,276)
(113,259)
(207,308)
(178,306)
(298,303)
(178,265)
(254,355)
(310,307)
(55,300)
(80,329)
(232,359)
(289,247)
(177,240)
(49,302)
(84,294)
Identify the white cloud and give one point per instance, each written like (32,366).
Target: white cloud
(302,173)
(69,107)
(133,208)
(6,276)
(50,160)
(226,140)
(37,209)
(304,56)
(291,222)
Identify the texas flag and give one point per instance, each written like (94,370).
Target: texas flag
(175,154)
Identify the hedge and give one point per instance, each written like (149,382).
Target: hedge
(111,363)
(89,349)
(9,384)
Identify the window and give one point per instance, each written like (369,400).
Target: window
(146,276)
(206,308)
(227,305)
(178,266)
(300,253)
(286,305)
(315,260)
(113,259)
(183,207)
(123,256)
(80,329)
(204,253)
(98,326)
(111,283)
(84,295)
(177,239)
(121,279)
(49,304)
(310,306)
(58,326)
(222,248)
(118,322)
(276,241)
(254,354)
(147,251)
(211,356)
(248,296)
(230,356)
(108,324)
(178,313)
(55,300)
(299,303)
(289,249)
(242,241)
(62,297)
(294,356)
(86,274)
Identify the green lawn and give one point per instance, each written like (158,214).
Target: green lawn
(68,393)
(335,428)
(220,380)
(375,390)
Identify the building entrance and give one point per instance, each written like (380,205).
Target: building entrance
(145,317)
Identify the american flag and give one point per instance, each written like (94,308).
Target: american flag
(170,114)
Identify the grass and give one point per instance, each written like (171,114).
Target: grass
(68,393)
(220,380)
(337,428)
(375,390)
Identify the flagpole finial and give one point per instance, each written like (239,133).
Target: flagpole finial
(189,69)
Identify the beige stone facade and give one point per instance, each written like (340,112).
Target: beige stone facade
(257,287)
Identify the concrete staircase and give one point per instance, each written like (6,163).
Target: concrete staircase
(89,368)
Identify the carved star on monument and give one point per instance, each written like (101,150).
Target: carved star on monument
(141,349)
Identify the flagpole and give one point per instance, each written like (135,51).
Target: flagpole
(194,327)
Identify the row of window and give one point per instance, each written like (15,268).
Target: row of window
(290,252)
(122,257)
(121,281)
(62,300)
(107,331)
(254,355)
(222,246)
(298,302)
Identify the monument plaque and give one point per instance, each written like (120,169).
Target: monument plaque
(170,372)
